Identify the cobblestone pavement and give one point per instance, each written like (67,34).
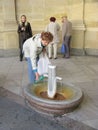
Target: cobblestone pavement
(80,71)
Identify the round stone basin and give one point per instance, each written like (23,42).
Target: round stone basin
(67,98)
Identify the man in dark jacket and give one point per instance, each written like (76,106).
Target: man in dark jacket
(25,32)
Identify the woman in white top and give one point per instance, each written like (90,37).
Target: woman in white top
(32,48)
(54,28)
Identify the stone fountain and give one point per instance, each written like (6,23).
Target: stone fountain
(51,96)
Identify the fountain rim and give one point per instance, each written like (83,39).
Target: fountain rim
(56,102)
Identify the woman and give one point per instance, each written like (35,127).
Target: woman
(32,48)
(25,32)
(54,28)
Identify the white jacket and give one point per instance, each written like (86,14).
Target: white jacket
(54,28)
(32,48)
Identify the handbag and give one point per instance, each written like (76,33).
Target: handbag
(63,48)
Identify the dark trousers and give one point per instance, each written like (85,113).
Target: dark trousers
(21,54)
(21,49)
(67,40)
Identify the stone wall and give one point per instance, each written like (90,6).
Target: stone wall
(91,22)
(82,13)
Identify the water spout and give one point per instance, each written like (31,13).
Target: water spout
(52,81)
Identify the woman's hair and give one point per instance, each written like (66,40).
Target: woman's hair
(23,16)
(47,36)
(52,19)
(64,16)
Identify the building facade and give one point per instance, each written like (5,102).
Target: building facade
(82,13)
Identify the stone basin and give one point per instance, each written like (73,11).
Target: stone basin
(67,98)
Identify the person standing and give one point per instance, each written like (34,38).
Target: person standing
(25,32)
(54,28)
(66,35)
(32,48)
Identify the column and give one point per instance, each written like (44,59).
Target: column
(8,31)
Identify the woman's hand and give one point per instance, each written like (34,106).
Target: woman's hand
(44,52)
(23,28)
(37,75)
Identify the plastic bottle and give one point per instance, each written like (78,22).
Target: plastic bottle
(41,78)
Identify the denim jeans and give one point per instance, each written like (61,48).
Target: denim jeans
(31,73)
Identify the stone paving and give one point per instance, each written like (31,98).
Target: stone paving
(16,117)
(79,71)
